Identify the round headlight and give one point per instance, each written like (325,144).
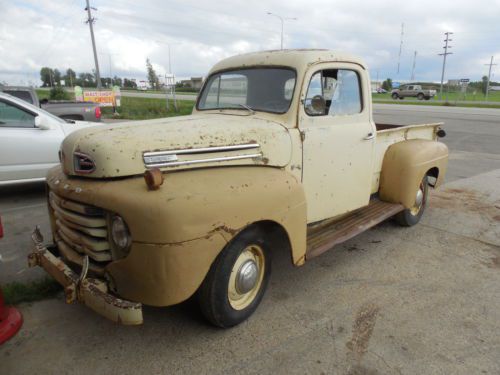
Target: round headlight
(120,233)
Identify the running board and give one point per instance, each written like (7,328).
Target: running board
(324,236)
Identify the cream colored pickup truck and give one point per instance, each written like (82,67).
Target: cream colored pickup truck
(281,151)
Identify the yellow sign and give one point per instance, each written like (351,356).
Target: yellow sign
(104,98)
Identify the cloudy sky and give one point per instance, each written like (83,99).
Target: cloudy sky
(53,33)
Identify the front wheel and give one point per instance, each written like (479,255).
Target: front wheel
(237,280)
(411,216)
(420,96)
(395,96)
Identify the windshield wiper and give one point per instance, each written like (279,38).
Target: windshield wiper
(247,108)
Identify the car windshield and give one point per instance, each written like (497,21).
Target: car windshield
(255,89)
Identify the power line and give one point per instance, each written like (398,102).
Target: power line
(489,76)
(446,53)
(401,45)
(90,21)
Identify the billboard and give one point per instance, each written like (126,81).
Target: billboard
(105,98)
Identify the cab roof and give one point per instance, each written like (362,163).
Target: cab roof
(299,59)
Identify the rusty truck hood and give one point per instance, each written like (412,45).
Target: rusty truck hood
(195,141)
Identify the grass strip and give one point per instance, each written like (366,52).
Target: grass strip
(133,108)
(16,292)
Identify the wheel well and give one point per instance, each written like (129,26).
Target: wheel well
(275,235)
(434,173)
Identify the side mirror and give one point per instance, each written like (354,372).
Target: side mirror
(316,106)
(42,123)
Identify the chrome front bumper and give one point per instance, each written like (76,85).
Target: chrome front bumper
(89,291)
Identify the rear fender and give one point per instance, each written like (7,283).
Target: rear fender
(406,163)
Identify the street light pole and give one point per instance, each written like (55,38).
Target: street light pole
(282,19)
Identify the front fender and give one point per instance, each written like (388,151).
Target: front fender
(178,230)
(405,164)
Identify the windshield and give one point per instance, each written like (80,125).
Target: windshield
(259,89)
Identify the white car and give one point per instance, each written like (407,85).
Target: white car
(29,140)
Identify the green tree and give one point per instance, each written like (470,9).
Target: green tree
(387,84)
(117,81)
(70,77)
(484,84)
(57,77)
(58,93)
(46,76)
(152,77)
(129,84)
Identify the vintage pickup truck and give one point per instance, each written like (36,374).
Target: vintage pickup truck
(280,152)
(412,91)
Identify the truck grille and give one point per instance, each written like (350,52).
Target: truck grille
(81,227)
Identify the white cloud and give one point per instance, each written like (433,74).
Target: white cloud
(34,34)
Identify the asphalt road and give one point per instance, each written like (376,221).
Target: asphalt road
(420,300)
(137,94)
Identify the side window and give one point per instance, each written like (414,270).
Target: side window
(334,92)
(23,95)
(320,92)
(347,96)
(15,117)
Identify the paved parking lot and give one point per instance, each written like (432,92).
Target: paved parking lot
(420,300)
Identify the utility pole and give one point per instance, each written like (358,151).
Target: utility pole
(489,76)
(90,21)
(282,19)
(413,68)
(401,45)
(446,53)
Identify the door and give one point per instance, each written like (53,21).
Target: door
(338,138)
(26,152)
(407,91)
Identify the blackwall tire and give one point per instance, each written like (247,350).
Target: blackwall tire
(225,298)
(411,216)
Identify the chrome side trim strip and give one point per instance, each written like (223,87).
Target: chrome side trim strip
(209,160)
(203,150)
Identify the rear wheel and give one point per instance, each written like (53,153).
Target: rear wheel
(237,280)
(411,216)
(420,96)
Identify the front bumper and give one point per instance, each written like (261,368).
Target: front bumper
(89,291)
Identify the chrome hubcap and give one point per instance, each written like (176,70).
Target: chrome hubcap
(419,198)
(247,276)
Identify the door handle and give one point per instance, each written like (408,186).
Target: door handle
(369,136)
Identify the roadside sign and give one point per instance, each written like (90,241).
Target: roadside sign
(395,85)
(465,80)
(104,98)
